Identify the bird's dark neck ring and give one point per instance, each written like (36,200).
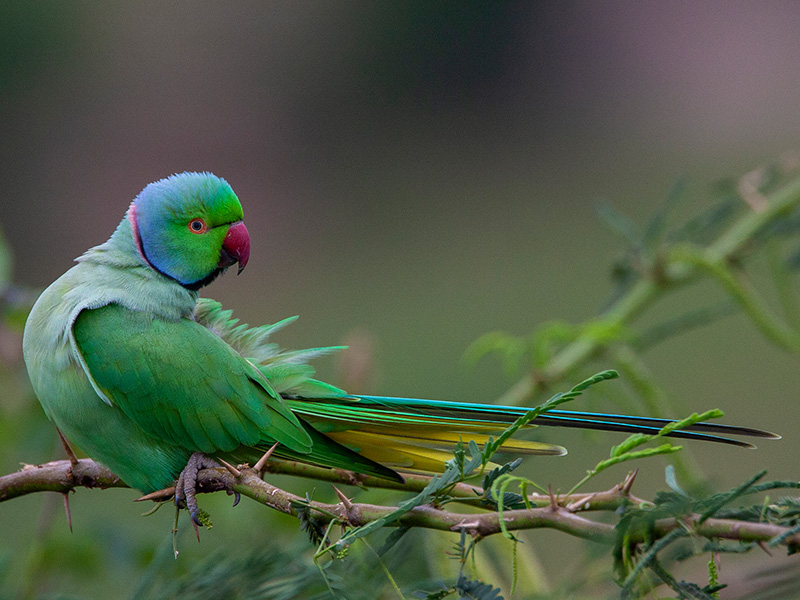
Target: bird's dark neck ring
(137,240)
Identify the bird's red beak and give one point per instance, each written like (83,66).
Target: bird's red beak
(235,247)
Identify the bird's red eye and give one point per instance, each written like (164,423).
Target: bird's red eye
(197,226)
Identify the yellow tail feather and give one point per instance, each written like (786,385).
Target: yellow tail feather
(425,450)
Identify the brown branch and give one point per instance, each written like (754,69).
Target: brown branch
(553,516)
(465,492)
(429,517)
(548,511)
(57,476)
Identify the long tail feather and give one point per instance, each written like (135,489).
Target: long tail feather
(410,415)
(654,422)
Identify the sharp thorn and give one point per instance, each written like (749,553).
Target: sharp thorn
(553,503)
(262,462)
(159,495)
(73,460)
(233,470)
(67,510)
(582,503)
(628,483)
(344,499)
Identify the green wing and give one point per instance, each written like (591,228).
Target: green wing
(288,371)
(180,382)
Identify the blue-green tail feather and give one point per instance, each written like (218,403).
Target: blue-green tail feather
(391,411)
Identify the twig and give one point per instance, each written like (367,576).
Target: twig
(673,274)
(55,476)
(478,525)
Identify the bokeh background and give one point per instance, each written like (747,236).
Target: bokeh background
(413,175)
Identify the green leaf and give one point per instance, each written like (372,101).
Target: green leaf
(392,539)
(644,453)
(786,534)
(619,223)
(704,227)
(672,481)
(686,322)
(649,557)
(510,348)
(720,500)
(655,228)
(632,441)
(476,590)
(452,474)
(689,591)
(493,446)
(492,475)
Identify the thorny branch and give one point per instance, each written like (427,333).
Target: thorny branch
(560,513)
(57,476)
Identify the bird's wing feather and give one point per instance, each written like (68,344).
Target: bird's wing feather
(288,371)
(180,382)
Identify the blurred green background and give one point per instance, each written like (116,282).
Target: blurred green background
(413,176)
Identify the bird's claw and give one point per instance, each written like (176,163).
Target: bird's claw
(186,486)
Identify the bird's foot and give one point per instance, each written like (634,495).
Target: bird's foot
(186,486)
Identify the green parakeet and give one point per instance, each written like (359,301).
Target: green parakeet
(146,377)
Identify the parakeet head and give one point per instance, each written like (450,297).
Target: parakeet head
(189,227)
